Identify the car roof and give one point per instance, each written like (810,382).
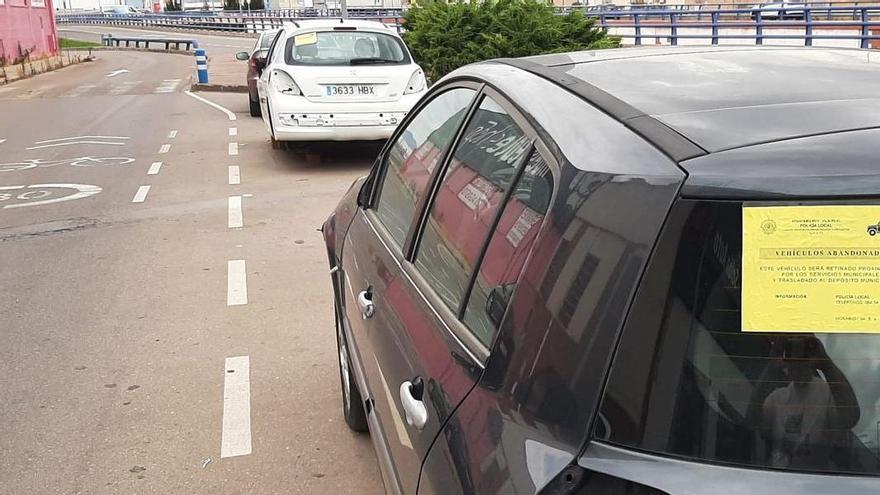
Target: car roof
(315,24)
(707,108)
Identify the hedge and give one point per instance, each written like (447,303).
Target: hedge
(446,35)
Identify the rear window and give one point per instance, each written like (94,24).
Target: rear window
(345,48)
(689,381)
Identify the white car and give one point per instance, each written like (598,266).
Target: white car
(337,80)
(779,11)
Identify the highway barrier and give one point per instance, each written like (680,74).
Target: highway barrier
(826,24)
(110,40)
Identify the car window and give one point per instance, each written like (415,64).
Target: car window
(688,381)
(345,48)
(272,51)
(508,248)
(412,158)
(266,39)
(471,193)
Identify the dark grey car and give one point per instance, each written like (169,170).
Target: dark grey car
(539,285)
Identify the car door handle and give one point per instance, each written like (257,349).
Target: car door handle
(414,408)
(365,301)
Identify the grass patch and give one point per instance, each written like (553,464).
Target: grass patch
(69,43)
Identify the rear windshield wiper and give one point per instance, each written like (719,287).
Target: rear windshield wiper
(371,60)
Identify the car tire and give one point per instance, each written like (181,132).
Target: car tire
(872,232)
(352,402)
(256,111)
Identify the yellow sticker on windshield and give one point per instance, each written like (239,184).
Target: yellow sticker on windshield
(811,269)
(305,39)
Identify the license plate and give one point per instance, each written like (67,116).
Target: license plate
(351,90)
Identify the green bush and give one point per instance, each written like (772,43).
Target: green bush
(446,35)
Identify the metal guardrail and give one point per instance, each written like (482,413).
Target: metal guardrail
(110,40)
(248,24)
(859,24)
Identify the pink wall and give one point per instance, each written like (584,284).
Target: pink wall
(27,27)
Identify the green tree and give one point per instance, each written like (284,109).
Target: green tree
(231,4)
(446,35)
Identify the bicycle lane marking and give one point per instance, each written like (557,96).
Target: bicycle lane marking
(83,191)
(85,161)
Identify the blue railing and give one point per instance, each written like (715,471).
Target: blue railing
(857,24)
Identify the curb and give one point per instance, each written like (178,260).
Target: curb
(220,88)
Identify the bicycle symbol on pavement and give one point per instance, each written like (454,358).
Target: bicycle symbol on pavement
(85,161)
(43,194)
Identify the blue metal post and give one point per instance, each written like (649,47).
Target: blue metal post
(808,27)
(759,28)
(202,65)
(865,43)
(637,23)
(714,28)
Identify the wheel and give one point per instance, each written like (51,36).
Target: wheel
(872,231)
(352,403)
(256,111)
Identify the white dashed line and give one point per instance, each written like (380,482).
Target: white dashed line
(172,134)
(235,219)
(141,194)
(211,103)
(233,149)
(236,283)
(154,168)
(234,175)
(236,438)
(165,148)
(233,131)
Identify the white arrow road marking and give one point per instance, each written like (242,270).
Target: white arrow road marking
(234,175)
(80,137)
(236,283)
(2,141)
(71,143)
(154,168)
(235,218)
(83,191)
(236,437)
(117,72)
(73,140)
(141,194)
(229,114)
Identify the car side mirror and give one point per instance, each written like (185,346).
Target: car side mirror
(496,303)
(363,197)
(260,64)
(243,56)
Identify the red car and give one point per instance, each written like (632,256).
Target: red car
(256,61)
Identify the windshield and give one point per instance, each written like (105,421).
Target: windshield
(345,48)
(691,379)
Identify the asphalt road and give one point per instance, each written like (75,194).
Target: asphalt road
(116,327)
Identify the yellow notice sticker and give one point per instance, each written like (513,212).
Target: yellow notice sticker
(305,39)
(811,269)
